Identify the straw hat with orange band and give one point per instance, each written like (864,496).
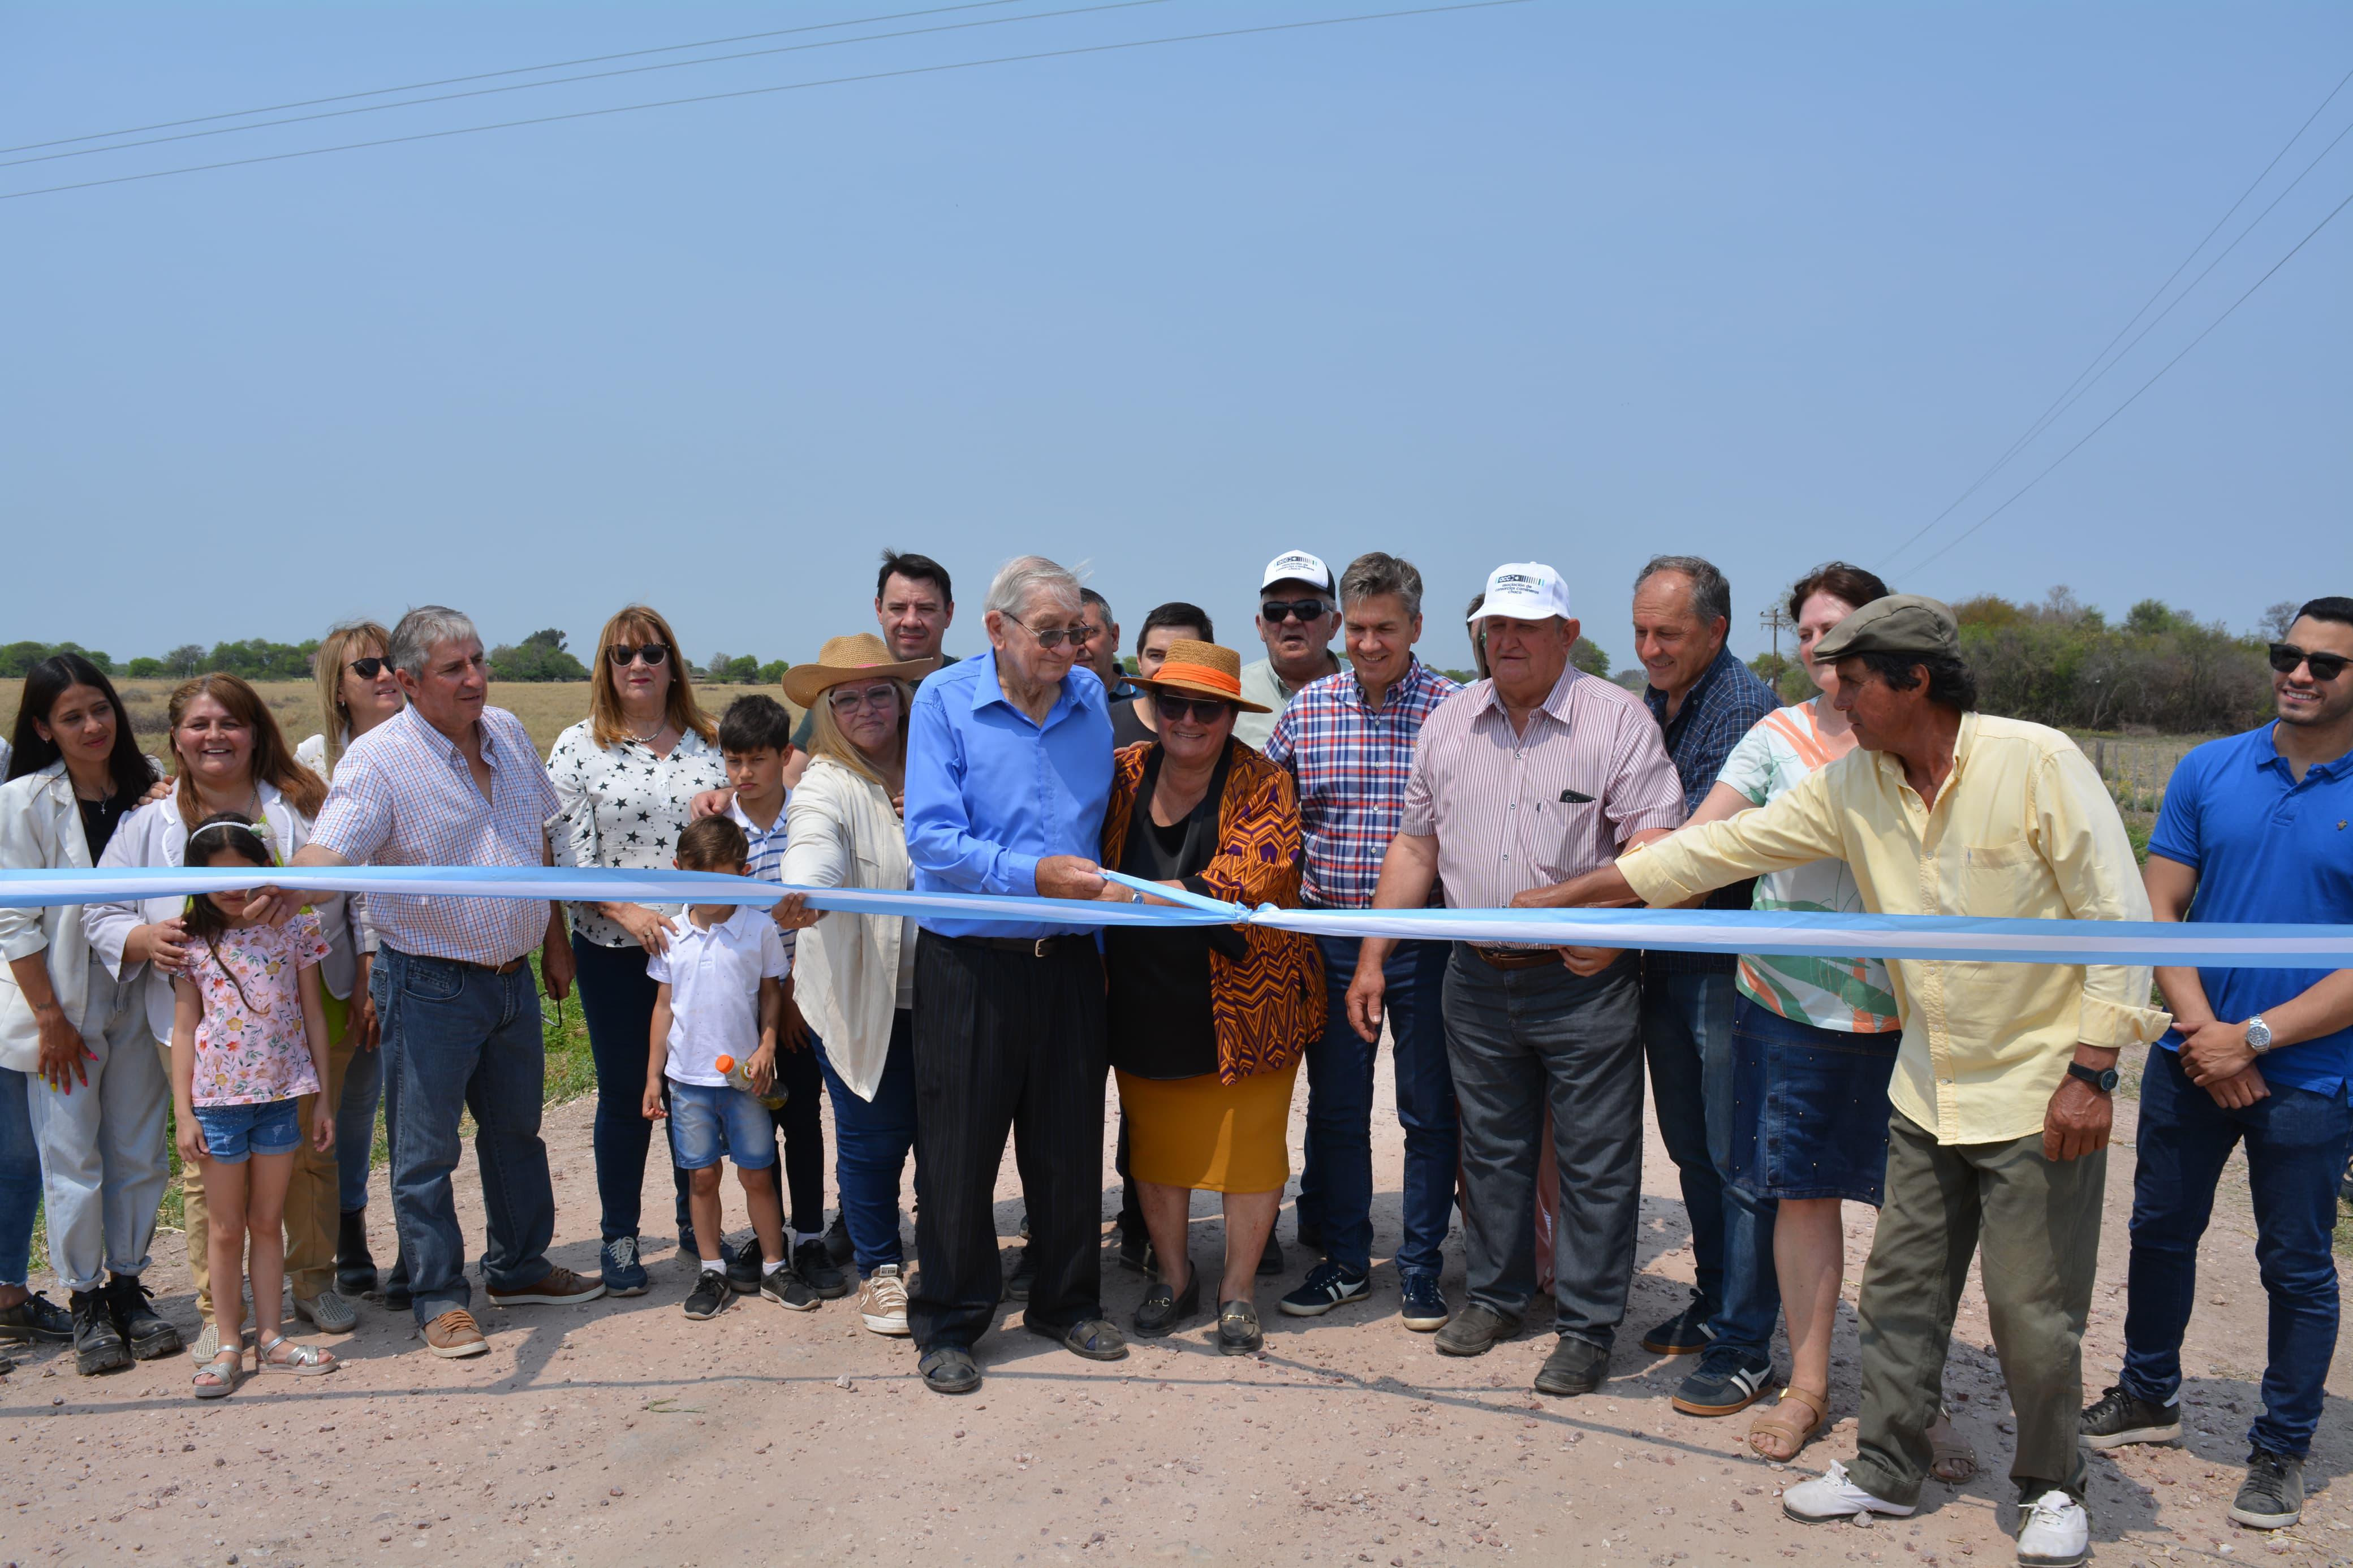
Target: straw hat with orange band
(1201,669)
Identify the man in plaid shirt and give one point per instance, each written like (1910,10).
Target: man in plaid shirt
(1348,740)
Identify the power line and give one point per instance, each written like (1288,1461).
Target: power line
(515,70)
(2068,394)
(759,91)
(590,76)
(2144,387)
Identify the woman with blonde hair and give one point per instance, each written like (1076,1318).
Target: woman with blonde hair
(856,975)
(626,777)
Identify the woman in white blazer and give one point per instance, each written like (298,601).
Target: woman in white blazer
(82,1097)
(229,755)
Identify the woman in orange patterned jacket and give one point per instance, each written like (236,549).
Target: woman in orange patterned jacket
(1206,1023)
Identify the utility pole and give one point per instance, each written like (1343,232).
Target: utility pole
(1776,621)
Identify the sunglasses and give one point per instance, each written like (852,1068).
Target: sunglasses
(1199,710)
(623,656)
(1077,636)
(1275,611)
(2326,667)
(367,669)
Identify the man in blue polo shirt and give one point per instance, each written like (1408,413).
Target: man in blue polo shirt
(2258,827)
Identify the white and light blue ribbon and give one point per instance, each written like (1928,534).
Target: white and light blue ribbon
(1949,937)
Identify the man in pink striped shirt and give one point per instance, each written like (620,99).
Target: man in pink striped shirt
(1520,783)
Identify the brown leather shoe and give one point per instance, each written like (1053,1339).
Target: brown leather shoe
(556,1287)
(455,1335)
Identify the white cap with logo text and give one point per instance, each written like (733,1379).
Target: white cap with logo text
(1298,566)
(1523,591)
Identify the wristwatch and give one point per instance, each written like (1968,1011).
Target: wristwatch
(2102,1078)
(2259,1035)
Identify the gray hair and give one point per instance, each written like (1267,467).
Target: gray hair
(413,639)
(1017,579)
(1711,592)
(1089,596)
(1376,573)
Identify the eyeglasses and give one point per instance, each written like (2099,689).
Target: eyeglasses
(1275,611)
(875,697)
(1078,637)
(1199,710)
(623,656)
(2326,667)
(367,669)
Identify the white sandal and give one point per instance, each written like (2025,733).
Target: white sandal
(225,1369)
(302,1361)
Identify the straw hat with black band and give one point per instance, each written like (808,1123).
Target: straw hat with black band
(844,661)
(1200,669)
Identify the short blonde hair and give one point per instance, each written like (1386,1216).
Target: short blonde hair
(826,738)
(336,653)
(605,725)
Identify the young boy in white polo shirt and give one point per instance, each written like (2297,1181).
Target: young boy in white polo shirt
(721,996)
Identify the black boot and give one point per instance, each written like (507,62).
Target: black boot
(354,1269)
(148,1336)
(98,1343)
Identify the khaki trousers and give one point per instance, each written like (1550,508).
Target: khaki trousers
(2038,1222)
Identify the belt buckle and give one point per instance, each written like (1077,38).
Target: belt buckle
(1037,948)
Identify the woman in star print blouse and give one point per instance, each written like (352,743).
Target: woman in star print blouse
(626,776)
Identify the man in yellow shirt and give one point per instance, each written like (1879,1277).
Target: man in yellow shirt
(2001,1089)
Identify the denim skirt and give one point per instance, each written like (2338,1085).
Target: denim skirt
(1810,1108)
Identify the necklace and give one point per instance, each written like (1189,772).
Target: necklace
(648,737)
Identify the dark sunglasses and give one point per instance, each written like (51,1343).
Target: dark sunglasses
(367,669)
(1077,636)
(2326,667)
(1279,610)
(1199,710)
(621,653)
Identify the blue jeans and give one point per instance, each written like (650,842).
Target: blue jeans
(20,1180)
(871,1140)
(460,1040)
(1687,1038)
(616,1000)
(2297,1143)
(355,1127)
(1335,1178)
(234,1133)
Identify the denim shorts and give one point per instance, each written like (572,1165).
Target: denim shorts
(1810,1108)
(264,1127)
(709,1121)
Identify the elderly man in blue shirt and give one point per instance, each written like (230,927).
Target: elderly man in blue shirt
(2253,828)
(1008,772)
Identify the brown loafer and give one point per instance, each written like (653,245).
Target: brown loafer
(556,1287)
(455,1335)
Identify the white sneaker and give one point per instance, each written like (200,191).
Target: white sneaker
(882,1302)
(1831,1496)
(2055,1532)
(330,1311)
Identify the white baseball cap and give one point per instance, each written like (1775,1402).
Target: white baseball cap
(1523,591)
(1298,566)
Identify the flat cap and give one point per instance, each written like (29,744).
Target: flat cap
(1899,624)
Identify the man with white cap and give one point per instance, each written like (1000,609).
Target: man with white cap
(1520,782)
(1297,611)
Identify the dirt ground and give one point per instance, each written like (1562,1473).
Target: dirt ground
(621,1433)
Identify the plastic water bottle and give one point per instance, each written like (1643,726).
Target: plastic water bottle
(739,1076)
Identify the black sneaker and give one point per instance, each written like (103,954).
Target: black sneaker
(814,1263)
(142,1328)
(98,1343)
(1023,1276)
(2118,1418)
(1574,1367)
(786,1287)
(1685,1333)
(1726,1379)
(741,1268)
(35,1320)
(710,1296)
(1135,1249)
(1327,1286)
(2273,1496)
(355,1267)
(836,1241)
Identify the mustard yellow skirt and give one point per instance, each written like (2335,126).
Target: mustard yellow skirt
(1198,1132)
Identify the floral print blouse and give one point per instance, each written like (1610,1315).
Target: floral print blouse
(624,806)
(251,1045)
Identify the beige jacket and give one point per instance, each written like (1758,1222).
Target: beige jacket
(850,970)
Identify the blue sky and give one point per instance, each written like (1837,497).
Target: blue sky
(1552,281)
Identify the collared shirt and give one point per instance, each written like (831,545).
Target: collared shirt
(404,796)
(1726,702)
(1351,761)
(1262,684)
(624,806)
(2267,849)
(714,974)
(990,792)
(1516,811)
(2021,828)
(765,851)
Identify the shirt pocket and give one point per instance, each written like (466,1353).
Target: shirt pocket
(1997,882)
(1566,829)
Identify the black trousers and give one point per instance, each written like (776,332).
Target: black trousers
(1006,1042)
(801,1123)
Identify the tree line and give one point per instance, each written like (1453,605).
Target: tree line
(542,656)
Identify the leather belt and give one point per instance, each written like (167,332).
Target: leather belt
(1515,957)
(1027,947)
(509,967)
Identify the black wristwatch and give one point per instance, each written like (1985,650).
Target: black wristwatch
(2102,1078)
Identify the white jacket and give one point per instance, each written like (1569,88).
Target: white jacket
(154,836)
(40,830)
(841,833)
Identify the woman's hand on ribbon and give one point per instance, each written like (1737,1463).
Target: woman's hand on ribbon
(792,912)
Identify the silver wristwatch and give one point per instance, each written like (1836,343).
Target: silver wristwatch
(2259,1035)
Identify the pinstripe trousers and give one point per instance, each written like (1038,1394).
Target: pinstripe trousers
(1007,1042)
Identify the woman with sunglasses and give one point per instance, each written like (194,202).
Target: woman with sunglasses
(627,776)
(356,693)
(1207,1025)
